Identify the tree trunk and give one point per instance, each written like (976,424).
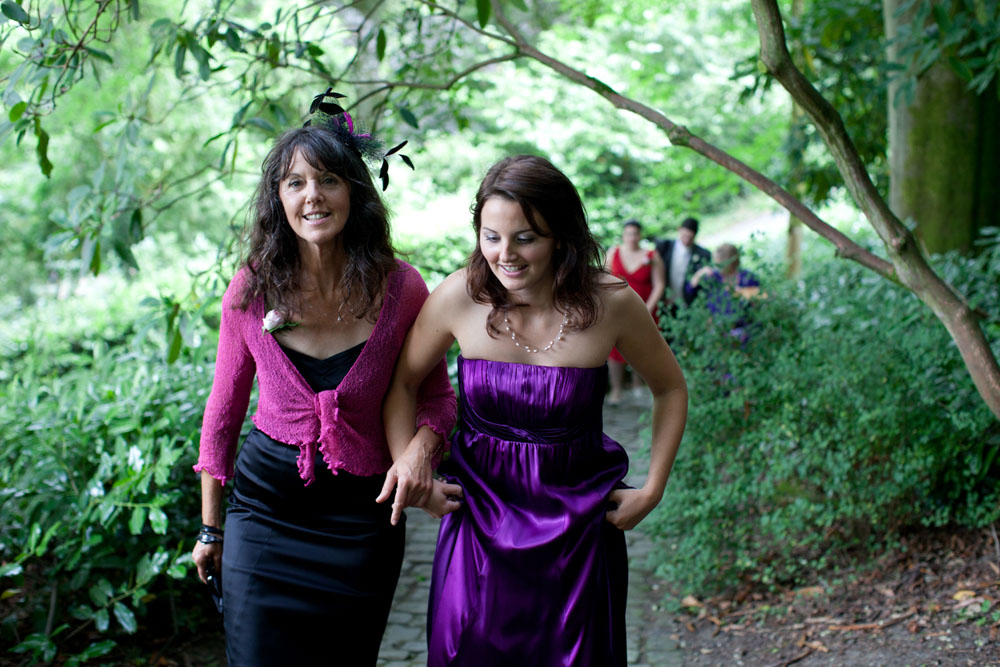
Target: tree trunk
(793,247)
(943,148)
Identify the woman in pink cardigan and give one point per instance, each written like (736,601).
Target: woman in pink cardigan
(317,313)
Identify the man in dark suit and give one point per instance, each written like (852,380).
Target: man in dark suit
(682,257)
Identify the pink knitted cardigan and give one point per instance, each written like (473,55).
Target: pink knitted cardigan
(345,423)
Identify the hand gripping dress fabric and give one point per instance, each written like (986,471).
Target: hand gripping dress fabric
(528,571)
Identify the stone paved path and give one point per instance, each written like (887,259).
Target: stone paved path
(649,628)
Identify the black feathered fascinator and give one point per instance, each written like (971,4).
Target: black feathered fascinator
(333,117)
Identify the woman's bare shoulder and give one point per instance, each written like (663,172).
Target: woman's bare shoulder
(452,292)
(616,300)
(609,284)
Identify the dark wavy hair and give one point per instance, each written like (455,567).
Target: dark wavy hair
(273,255)
(541,190)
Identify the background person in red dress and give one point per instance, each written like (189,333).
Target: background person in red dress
(644,272)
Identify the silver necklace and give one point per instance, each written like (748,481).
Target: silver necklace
(527,348)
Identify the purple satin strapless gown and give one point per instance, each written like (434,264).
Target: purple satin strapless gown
(528,572)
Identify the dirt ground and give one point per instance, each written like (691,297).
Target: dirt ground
(934,601)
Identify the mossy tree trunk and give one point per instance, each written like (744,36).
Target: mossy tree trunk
(793,247)
(944,145)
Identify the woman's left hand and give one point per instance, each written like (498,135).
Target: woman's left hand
(444,498)
(633,506)
(411,475)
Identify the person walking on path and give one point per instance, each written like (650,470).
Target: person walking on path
(727,289)
(643,270)
(317,314)
(682,257)
(533,569)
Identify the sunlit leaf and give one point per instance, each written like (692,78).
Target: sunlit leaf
(158,520)
(10,570)
(137,520)
(175,346)
(125,617)
(13,11)
(17,111)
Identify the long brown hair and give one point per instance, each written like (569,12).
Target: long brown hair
(541,190)
(273,257)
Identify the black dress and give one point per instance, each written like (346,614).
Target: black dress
(308,572)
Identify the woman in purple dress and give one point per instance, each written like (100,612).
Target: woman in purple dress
(531,569)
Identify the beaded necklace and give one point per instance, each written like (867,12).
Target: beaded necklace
(527,348)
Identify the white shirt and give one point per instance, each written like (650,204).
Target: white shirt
(678,267)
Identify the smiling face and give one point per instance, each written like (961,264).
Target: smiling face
(685,236)
(317,202)
(519,256)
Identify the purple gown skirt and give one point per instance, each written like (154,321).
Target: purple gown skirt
(528,572)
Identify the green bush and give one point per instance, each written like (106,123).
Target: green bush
(98,504)
(846,417)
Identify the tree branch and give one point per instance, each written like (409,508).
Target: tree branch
(101,6)
(384,86)
(774,54)
(908,260)
(472,26)
(681,136)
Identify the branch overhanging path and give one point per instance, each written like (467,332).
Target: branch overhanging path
(908,266)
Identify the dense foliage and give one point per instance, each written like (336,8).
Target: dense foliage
(117,87)
(845,418)
(134,142)
(97,499)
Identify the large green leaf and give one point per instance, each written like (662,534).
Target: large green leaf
(13,11)
(380,44)
(137,520)
(483,11)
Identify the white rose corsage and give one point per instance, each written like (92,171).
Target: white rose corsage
(275,321)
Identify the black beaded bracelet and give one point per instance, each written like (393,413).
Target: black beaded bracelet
(205,528)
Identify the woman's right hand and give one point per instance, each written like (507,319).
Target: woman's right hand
(207,557)
(699,274)
(411,474)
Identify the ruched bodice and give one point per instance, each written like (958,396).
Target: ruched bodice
(551,404)
(529,571)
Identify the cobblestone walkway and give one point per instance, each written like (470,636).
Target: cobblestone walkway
(649,628)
